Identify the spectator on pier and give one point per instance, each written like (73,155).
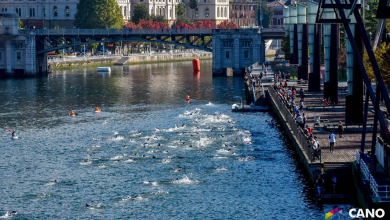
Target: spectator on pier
(324,102)
(301,105)
(285,84)
(334,180)
(299,120)
(340,129)
(302,94)
(289,92)
(308,129)
(288,76)
(332,141)
(283,75)
(304,119)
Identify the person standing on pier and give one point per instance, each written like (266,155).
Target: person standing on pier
(302,94)
(332,140)
(340,129)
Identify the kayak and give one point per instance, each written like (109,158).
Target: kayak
(72,115)
(14,137)
(98,111)
(188,100)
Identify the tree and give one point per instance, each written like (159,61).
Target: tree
(371,20)
(268,13)
(228,25)
(98,14)
(140,12)
(184,20)
(382,56)
(20,24)
(180,9)
(158,18)
(193,4)
(286,46)
(130,25)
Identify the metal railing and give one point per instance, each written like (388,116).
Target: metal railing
(272,30)
(293,126)
(124,31)
(367,176)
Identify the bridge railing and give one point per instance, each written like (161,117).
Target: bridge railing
(266,30)
(123,31)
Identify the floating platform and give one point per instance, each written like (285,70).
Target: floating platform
(251,108)
(104,69)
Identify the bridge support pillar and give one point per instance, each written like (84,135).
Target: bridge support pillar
(303,71)
(354,100)
(262,52)
(315,75)
(331,88)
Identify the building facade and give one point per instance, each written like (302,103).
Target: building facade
(278,18)
(243,12)
(17,50)
(61,13)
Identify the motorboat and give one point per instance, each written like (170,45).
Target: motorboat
(237,106)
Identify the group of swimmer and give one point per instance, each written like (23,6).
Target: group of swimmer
(73,114)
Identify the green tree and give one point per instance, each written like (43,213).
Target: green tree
(180,9)
(268,13)
(193,4)
(382,56)
(98,14)
(184,20)
(140,12)
(286,46)
(371,20)
(20,24)
(158,18)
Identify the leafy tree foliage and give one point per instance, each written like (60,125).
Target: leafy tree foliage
(193,4)
(268,13)
(98,14)
(180,9)
(382,55)
(286,46)
(140,12)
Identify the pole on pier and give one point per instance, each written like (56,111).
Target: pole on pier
(375,130)
(365,121)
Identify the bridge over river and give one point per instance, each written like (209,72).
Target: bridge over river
(26,50)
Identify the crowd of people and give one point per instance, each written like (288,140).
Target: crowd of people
(288,96)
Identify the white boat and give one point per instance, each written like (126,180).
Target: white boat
(104,69)
(237,106)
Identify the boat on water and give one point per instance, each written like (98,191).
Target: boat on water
(104,69)
(237,106)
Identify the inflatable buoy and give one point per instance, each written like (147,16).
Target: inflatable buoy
(196,65)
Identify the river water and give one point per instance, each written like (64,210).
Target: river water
(149,154)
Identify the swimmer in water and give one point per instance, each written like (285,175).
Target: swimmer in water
(87,205)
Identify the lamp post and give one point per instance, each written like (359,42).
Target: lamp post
(370,38)
(27,22)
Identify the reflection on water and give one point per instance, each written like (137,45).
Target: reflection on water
(148,154)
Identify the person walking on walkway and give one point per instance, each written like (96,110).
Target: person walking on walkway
(340,129)
(332,141)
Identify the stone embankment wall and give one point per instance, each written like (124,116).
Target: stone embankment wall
(133,59)
(82,62)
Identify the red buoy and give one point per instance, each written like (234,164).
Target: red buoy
(196,64)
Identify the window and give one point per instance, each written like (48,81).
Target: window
(278,21)
(55,11)
(246,54)
(207,12)
(18,11)
(44,12)
(227,44)
(196,12)
(0,55)
(225,14)
(227,54)
(205,1)
(217,12)
(4,9)
(278,13)
(67,11)
(125,11)
(32,12)
(18,55)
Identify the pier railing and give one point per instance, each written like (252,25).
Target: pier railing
(293,126)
